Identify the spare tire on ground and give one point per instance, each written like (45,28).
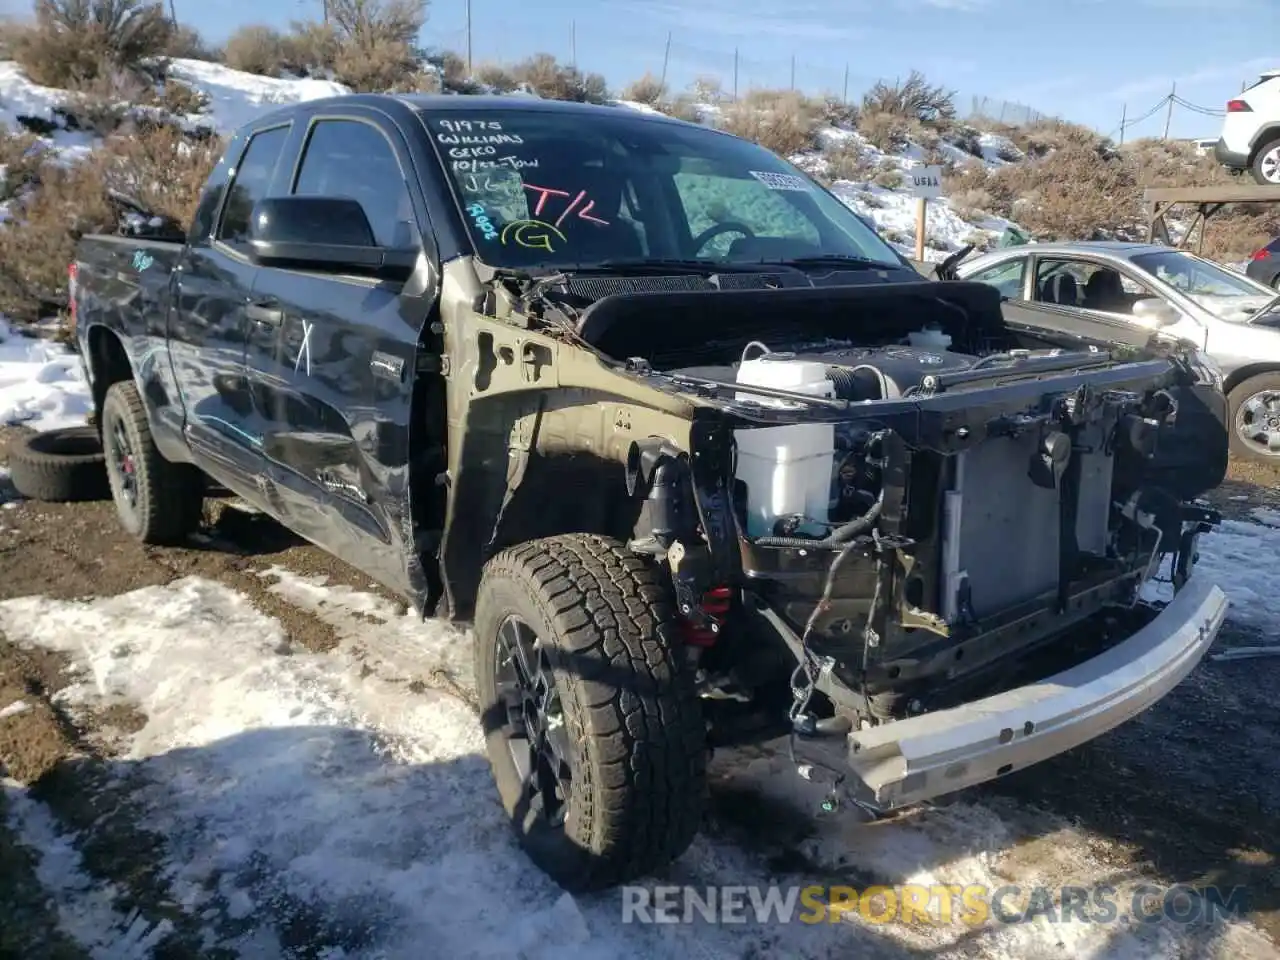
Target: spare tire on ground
(63,465)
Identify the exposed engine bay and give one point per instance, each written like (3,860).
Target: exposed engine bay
(914,499)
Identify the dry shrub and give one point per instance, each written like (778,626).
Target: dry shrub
(369,45)
(186,43)
(373,23)
(496,77)
(256,48)
(707,90)
(21,157)
(1075,193)
(180,99)
(160,168)
(102,105)
(889,177)
(157,167)
(310,49)
(74,41)
(914,99)
(783,121)
(885,131)
(549,78)
(837,113)
(684,107)
(381,67)
(648,89)
(38,241)
(452,72)
(849,163)
(972,204)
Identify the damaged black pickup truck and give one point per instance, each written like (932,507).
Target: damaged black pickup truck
(698,455)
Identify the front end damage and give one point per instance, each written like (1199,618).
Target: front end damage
(971,602)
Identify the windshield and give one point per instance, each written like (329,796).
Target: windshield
(1208,284)
(544,188)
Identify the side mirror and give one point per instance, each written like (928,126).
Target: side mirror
(325,233)
(1156,313)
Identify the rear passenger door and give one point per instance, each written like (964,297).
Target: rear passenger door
(332,376)
(209,328)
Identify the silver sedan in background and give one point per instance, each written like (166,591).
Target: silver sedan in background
(1232,319)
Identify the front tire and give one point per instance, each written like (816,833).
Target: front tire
(593,729)
(1255,418)
(1266,165)
(158,502)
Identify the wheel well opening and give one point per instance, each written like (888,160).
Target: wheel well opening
(109,364)
(1268,136)
(1239,376)
(560,493)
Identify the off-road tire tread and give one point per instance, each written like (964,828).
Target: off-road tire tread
(171,495)
(55,477)
(644,749)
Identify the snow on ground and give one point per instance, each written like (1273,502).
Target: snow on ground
(892,210)
(295,788)
(235,97)
(41,383)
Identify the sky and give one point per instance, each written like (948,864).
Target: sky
(1090,61)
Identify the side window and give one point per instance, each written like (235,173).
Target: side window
(250,184)
(347,158)
(709,200)
(1061,281)
(1005,277)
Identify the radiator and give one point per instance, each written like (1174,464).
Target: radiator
(1001,531)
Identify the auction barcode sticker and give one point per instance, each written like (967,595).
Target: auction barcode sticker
(780,181)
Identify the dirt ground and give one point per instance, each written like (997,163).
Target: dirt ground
(1186,793)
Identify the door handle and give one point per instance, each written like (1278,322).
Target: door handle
(267,313)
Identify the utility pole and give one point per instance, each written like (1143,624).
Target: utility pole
(793,71)
(573,43)
(173,12)
(326,10)
(735,74)
(666,59)
(845,98)
(468,37)
(1168,117)
(1124,115)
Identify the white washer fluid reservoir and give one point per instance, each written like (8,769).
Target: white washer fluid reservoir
(787,469)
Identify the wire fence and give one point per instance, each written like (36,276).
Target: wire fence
(680,64)
(1005,111)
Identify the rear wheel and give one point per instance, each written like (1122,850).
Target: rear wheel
(1266,165)
(1255,418)
(157,501)
(593,729)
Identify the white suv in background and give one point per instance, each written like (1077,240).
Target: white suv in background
(1251,131)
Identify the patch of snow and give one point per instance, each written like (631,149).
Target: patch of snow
(236,97)
(995,148)
(295,789)
(382,633)
(638,106)
(1242,558)
(13,709)
(85,906)
(41,383)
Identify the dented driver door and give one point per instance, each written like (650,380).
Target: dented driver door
(335,365)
